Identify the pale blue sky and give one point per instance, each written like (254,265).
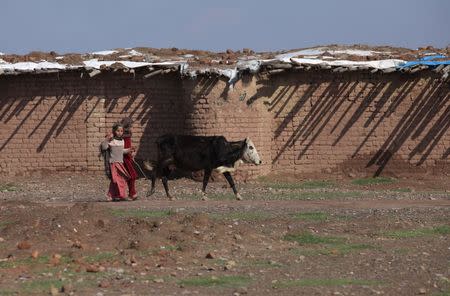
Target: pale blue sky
(91,25)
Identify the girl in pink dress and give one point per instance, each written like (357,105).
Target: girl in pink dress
(119,174)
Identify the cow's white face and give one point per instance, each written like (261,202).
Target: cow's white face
(250,153)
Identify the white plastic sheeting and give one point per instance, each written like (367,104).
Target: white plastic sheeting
(134,53)
(104,52)
(232,74)
(314,52)
(31,66)
(251,65)
(312,56)
(380,64)
(95,63)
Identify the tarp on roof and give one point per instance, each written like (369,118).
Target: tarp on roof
(427,61)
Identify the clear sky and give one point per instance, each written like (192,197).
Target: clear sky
(91,25)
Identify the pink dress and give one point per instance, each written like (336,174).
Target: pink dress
(128,162)
(119,174)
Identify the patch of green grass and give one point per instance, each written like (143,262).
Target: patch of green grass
(309,238)
(311,216)
(443,229)
(7,264)
(222,281)
(444,293)
(406,190)
(41,286)
(325,283)
(8,187)
(100,257)
(170,248)
(29,261)
(139,213)
(3,224)
(242,215)
(399,234)
(401,251)
(373,181)
(344,217)
(333,245)
(315,184)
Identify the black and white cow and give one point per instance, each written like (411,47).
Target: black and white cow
(208,153)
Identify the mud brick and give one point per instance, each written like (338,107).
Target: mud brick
(331,115)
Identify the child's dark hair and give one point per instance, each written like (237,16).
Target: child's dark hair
(126,123)
(116,126)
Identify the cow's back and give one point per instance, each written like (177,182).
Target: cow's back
(188,152)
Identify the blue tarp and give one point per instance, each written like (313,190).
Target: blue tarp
(428,61)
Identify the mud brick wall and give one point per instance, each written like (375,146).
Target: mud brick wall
(301,122)
(56,121)
(42,124)
(358,124)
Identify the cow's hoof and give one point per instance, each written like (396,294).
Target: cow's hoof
(204,197)
(171,198)
(238,197)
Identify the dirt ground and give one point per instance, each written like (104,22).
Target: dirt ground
(59,236)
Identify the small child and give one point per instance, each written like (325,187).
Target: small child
(119,174)
(128,158)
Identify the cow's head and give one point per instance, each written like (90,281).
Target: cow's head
(250,154)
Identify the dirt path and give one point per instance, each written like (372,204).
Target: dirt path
(270,205)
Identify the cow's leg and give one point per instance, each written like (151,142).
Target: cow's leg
(152,190)
(164,180)
(231,182)
(206,176)
(154,174)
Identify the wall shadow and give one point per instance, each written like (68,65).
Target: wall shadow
(318,105)
(154,104)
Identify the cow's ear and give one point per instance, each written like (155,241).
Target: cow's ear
(247,140)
